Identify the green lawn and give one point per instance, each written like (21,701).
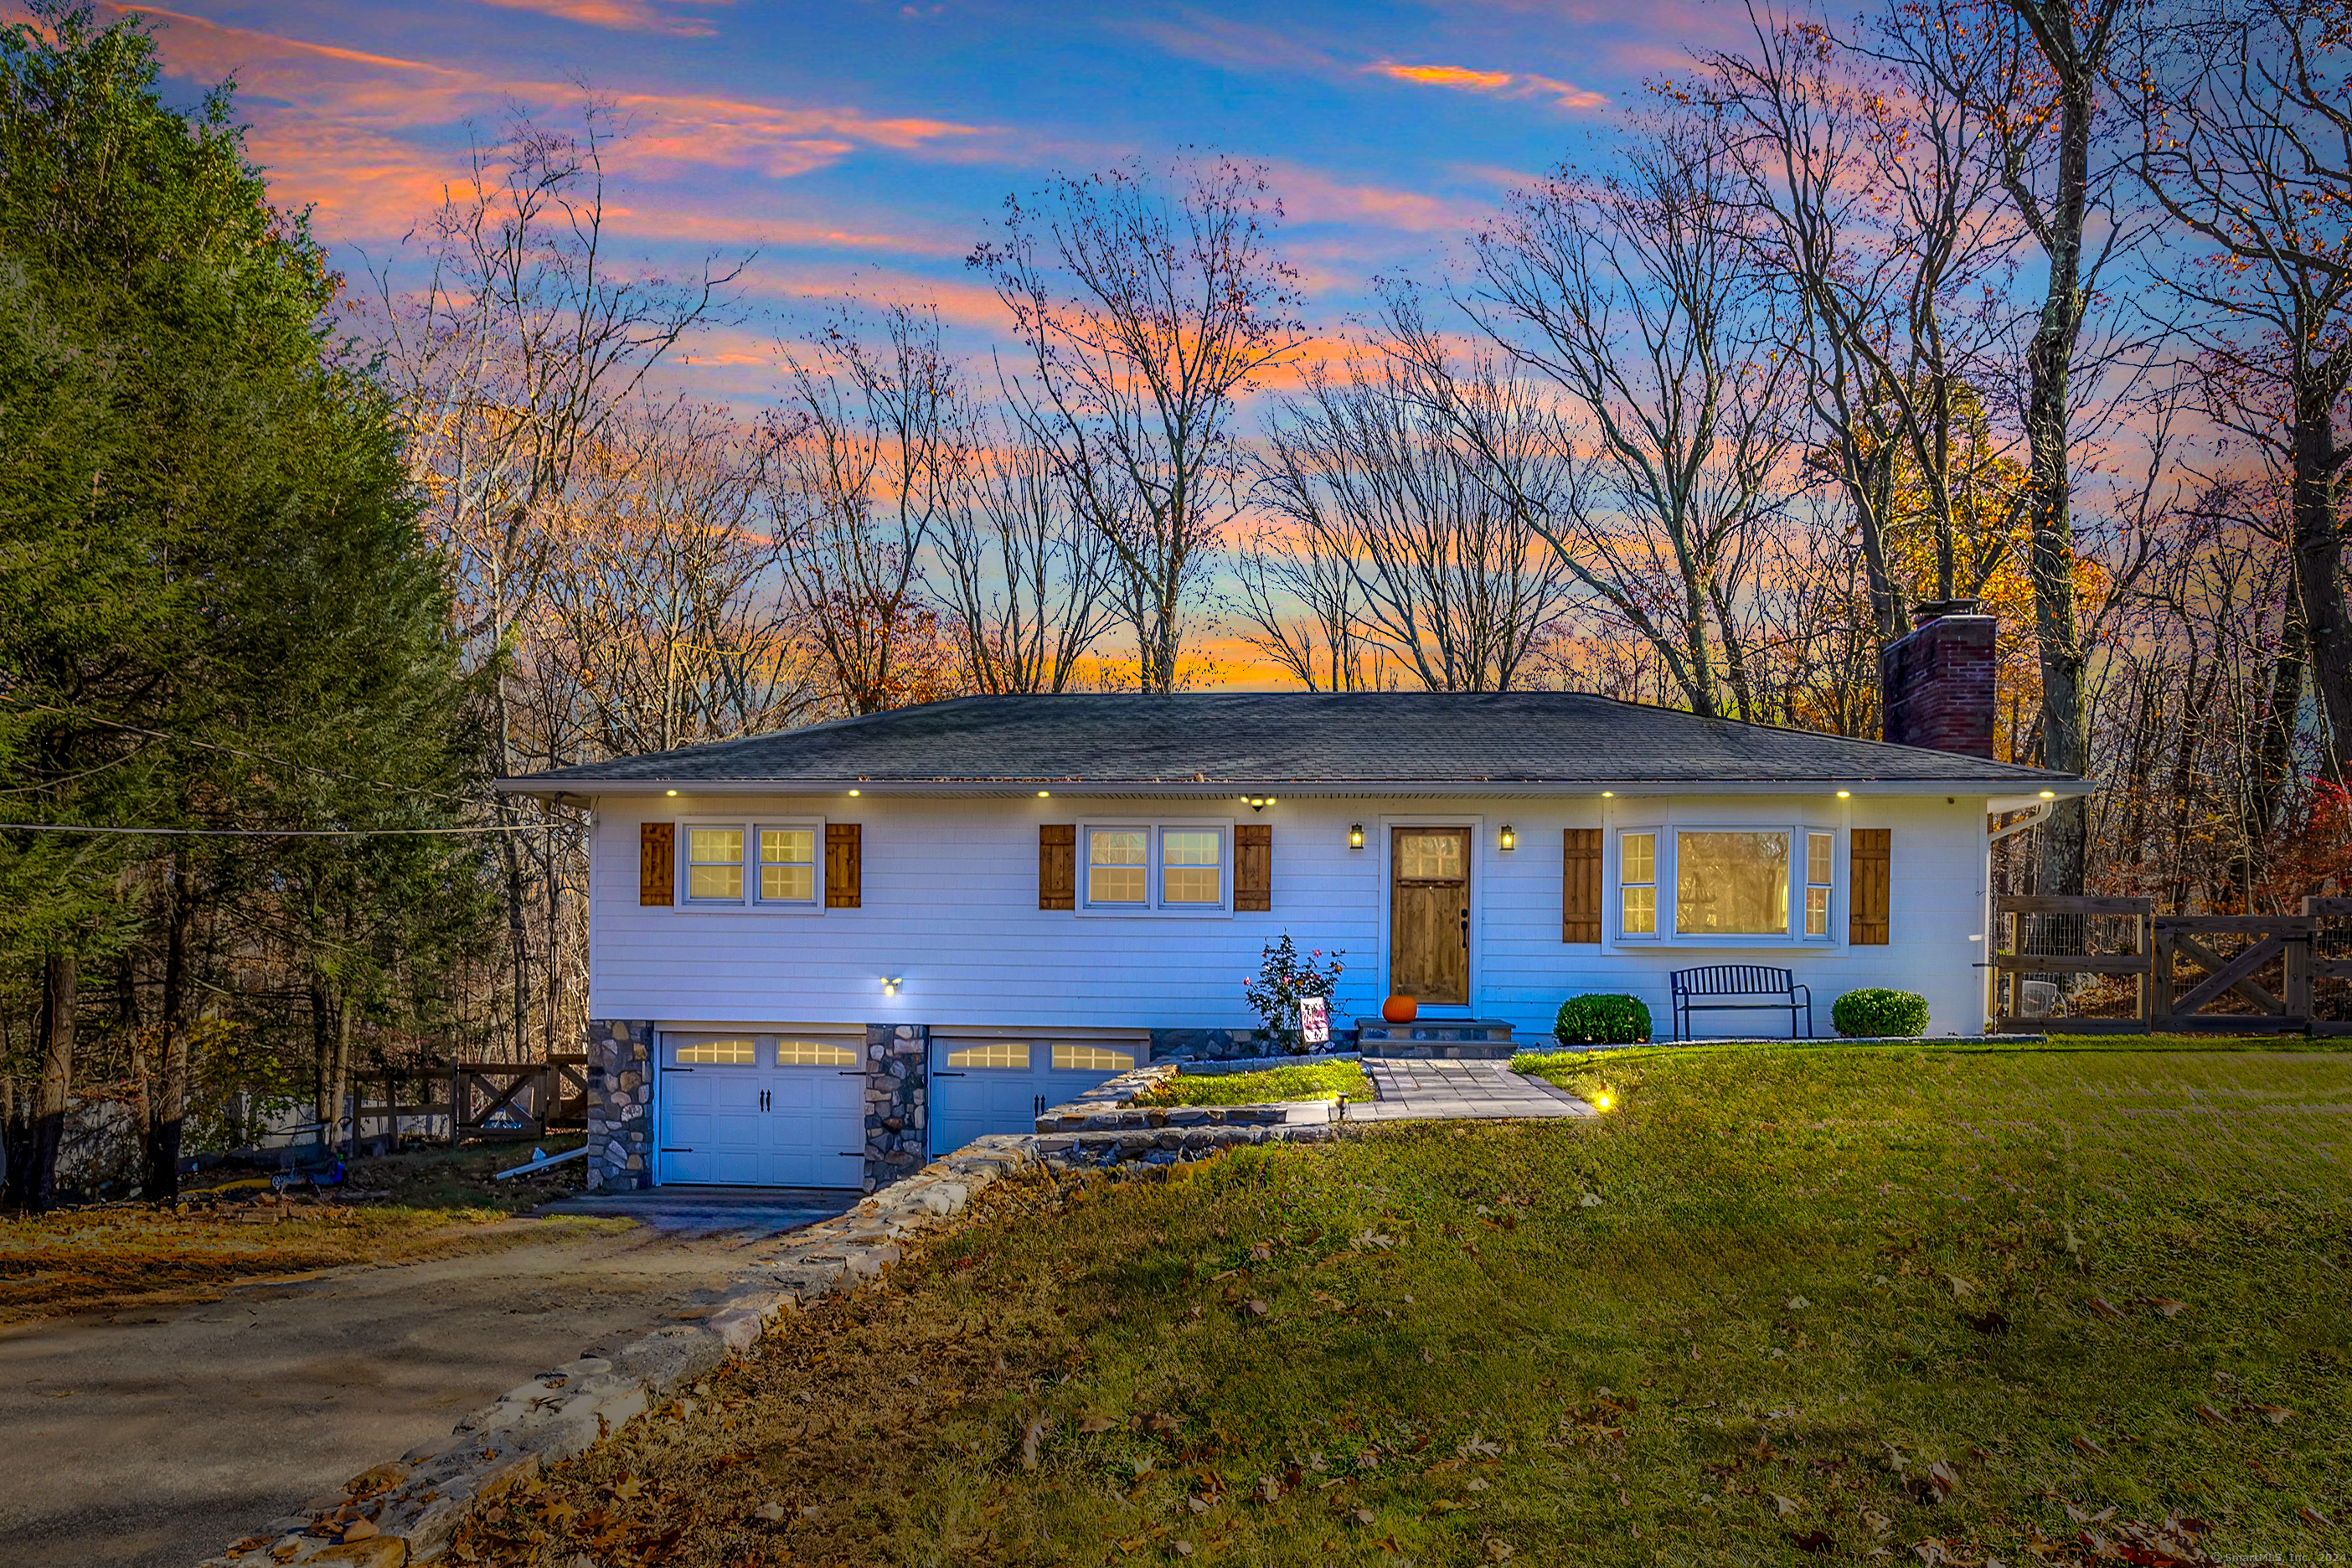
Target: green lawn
(1314,1081)
(1775,1305)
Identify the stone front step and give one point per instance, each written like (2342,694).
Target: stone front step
(1457,1039)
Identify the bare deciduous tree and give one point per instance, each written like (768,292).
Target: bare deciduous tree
(1377,476)
(869,462)
(2247,142)
(1880,191)
(1148,309)
(522,346)
(1637,295)
(1027,572)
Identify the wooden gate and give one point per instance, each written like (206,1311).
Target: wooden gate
(517,1099)
(2244,974)
(2036,936)
(2330,965)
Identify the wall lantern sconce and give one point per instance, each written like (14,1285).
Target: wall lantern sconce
(890,984)
(1258,802)
(1509,838)
(1355,835)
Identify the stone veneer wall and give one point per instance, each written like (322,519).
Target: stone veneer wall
(898,1101)
(620,1104)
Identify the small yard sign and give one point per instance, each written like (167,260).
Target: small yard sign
(1315,1020)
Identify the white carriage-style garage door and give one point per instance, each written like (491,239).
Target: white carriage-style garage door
(1001,1080)
(762,1109)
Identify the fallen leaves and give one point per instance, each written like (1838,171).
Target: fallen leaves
(1031,1436)
(2086,1444)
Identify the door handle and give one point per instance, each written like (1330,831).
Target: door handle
(1465,928)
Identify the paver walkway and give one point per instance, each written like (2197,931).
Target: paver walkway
(1411,1089)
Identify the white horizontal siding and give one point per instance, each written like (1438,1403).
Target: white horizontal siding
(950,906)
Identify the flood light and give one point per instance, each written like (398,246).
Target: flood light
(1603,1100)
(890,985)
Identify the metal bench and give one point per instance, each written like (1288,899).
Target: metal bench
(1769,987)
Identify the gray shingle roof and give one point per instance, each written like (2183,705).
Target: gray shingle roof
(1387,739)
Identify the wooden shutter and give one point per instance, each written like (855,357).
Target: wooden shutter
(1869,864)
(845,864)
(1253,865)
(1580,885)
(658,863)
(1057,865)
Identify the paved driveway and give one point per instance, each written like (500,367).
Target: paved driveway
(160,1437)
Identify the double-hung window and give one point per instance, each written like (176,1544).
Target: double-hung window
(753,865)
(1737,885)
(1170,868)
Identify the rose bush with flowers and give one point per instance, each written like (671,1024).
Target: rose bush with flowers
(1283,977)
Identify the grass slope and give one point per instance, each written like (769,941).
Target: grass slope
(424,1204)
(1780,1305)
(1311,1080)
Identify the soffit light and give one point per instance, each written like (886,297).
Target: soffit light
(1845,794)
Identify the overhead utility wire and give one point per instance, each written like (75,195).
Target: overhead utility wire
(272,832)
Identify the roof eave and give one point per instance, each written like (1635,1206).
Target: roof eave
(580,789)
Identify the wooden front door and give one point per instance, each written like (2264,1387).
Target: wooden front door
(1429,914)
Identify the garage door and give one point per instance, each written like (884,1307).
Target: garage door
(1000,1082)
(762,1110)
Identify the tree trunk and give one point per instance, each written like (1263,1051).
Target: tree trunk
(170,1108)
(2274,755)
(2319,574)
(17,1104)
(322,1050)
(342,1079)
(59,1000)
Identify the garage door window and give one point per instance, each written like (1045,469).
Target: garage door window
(1005,1054)
(698,1050)
(813,1054)
(1090,1059)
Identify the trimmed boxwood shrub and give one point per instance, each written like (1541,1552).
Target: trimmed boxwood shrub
(1607,1019)
(1874,1010)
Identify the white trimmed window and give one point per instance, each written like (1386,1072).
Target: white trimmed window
(1175,867)
(714,865)
(788,866)
(1733,886)
(1637,896)
(1820,864)
(752,866)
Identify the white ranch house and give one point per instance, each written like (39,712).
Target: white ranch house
(822,956)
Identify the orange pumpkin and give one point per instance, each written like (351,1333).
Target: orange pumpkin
(1401,1009)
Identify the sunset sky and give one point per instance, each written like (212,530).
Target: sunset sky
(862,148)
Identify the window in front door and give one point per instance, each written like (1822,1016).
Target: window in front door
(1429,914)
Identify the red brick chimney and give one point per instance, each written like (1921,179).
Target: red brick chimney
(1936,686)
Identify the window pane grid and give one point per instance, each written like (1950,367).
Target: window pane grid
(1006,1054)
(1820,862)
(741,1053)
(787,865)
(1637,876)
(1090,1059)
(1155,868)
(813,1054)
(715,864)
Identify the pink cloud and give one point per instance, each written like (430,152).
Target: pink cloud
(1501,84)
(621,15)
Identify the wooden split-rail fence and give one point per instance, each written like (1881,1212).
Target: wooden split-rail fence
(2117,966)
